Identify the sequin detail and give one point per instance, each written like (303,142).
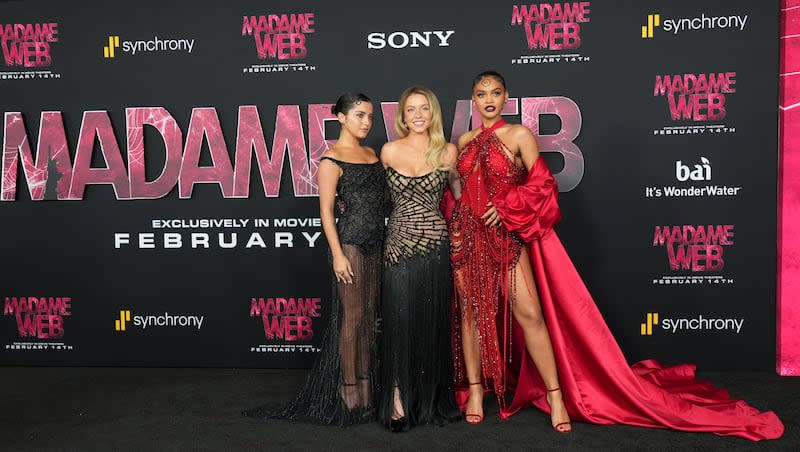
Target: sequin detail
(416,225)
(483,257)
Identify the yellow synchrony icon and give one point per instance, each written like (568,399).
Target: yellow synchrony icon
(124,316)
(647,328)
(653,20)
(113,43)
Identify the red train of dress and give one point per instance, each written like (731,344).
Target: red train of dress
(598,384)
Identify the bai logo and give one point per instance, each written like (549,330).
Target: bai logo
(413,39)
(698,172)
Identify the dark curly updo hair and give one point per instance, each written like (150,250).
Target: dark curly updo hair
(493,74)
(347,101)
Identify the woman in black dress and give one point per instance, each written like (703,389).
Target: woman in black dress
(416,363)
(341,387)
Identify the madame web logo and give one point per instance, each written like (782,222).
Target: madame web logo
(281,41)
(290,319)
(39,317)
(695,248)
(696,97)
(28,44)
(675,325)
(555,28)
(27,50)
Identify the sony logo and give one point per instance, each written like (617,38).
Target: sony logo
(402,39)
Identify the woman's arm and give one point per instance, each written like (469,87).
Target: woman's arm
(453,178)
(328,176)
(528,149)
(386,154)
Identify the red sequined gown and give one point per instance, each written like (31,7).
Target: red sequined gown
(598,384)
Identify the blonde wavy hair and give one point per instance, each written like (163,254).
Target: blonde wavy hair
(435,153)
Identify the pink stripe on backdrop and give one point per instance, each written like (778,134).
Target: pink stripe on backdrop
(789,193)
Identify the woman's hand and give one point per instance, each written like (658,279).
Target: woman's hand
(342,269)
(491,217)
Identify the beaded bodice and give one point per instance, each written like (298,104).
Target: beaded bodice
(416,225)
(360,204)
(486,168)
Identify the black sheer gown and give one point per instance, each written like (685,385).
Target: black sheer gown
(341,386)
(415,344)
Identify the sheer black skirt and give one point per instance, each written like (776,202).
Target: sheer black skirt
(415,340)
(341,387)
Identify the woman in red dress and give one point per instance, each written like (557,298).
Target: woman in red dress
(525,322)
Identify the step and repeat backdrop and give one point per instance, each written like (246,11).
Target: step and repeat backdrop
(159,200)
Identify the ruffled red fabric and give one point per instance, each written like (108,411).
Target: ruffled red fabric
(598,384)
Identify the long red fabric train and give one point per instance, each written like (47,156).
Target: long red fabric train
(598,384)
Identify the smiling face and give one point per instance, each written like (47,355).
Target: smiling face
(489,95)
(417,113)
(358,120)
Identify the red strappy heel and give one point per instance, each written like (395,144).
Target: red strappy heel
(567,423)
(471,418)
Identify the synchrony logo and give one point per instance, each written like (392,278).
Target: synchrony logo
(412,39)
(115,45)
(702,22)
(653,21)
(691,173)
(126,321)
(697,323)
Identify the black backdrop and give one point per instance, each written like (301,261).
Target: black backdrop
(602,126)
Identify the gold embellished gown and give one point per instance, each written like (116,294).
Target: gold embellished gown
(415,313)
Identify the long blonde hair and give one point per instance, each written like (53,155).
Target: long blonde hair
(435,153)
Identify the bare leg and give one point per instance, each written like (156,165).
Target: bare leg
(472,357)
(528,313)
(397,409)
